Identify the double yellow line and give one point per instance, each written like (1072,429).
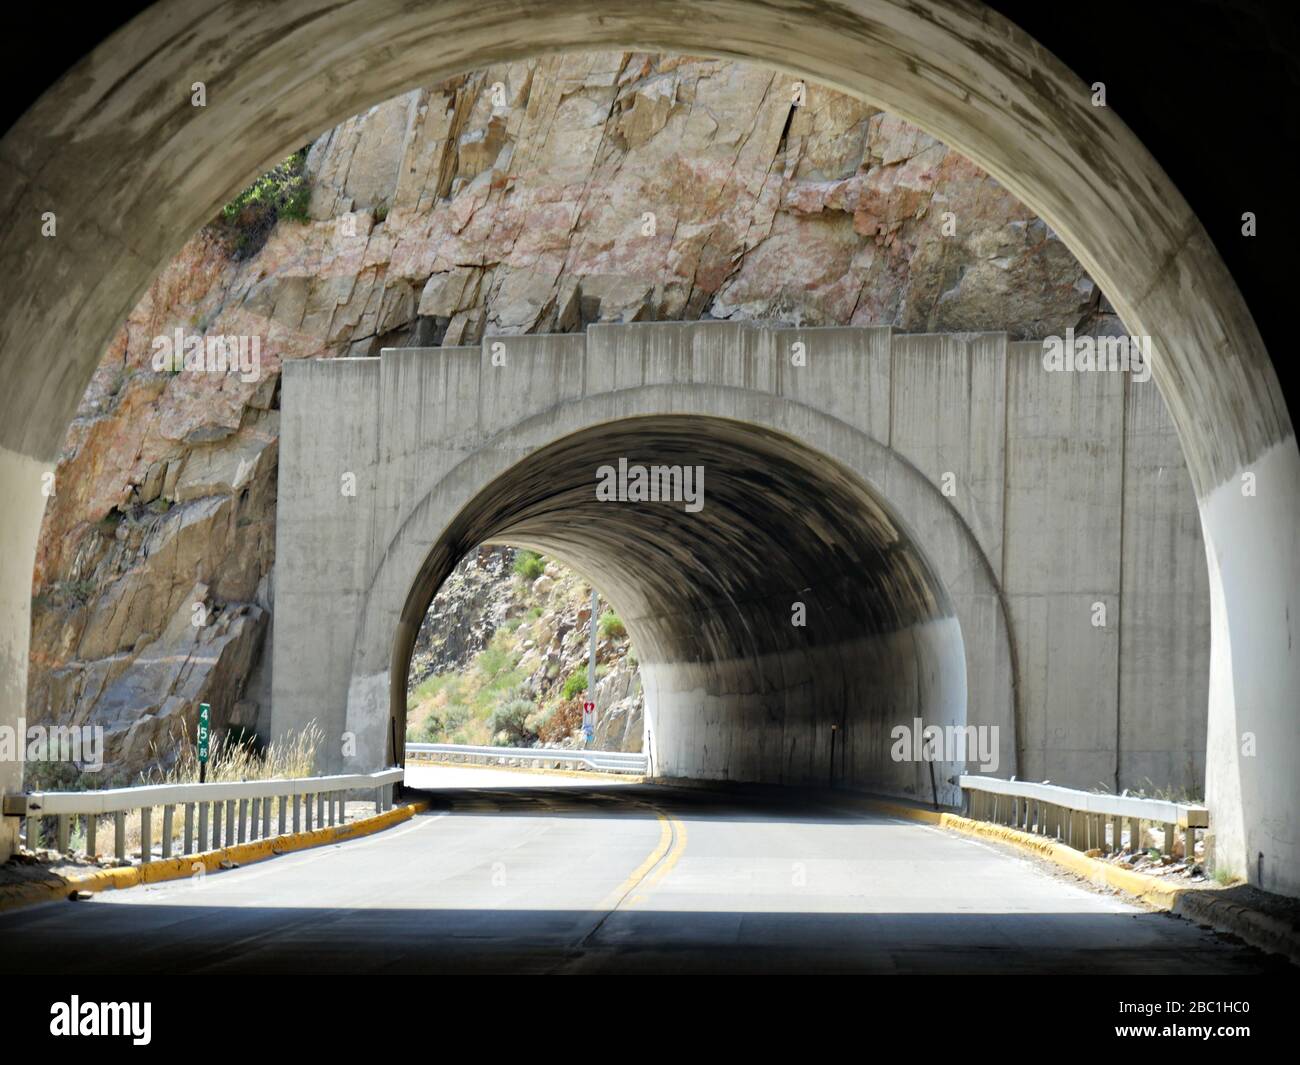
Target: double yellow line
(657,865)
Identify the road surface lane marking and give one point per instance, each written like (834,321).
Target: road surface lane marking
(666,866)
(615,897)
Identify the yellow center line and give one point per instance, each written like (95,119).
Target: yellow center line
(666,866)
(658,863)
(615,897)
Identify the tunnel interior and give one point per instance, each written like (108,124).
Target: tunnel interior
(785,620)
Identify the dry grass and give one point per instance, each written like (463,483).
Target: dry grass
(292,756)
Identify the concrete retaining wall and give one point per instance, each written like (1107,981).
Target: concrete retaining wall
(953,513)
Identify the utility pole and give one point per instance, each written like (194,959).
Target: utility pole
(591,661)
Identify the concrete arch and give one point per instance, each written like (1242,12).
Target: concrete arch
(112,150)
(949,639)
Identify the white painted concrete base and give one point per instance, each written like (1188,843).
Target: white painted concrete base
(1253,757)
(20,522)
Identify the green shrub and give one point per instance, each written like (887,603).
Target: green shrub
(246,222)
(493,660)
(574,685)
(529,565)
(512,719)
(610,626)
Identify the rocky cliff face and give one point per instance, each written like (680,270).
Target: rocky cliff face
(536,196)
(494,638)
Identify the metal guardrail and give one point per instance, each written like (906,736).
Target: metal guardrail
(603,761)
(1081,818)
(314,802)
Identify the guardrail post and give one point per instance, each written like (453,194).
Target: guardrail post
(320,809)
(1116,839)
(230,822)
(92,823)
(169,815)
(65,831)
(146,833)
(188,845)
(1169,839)
(119,834)
(216,826)
(284,808)
(242,835)
(334,805)
(306,812)
(297,817)
(1135,835)
(266,817)
(203,826)
(379,800)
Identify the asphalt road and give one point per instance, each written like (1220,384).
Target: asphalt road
(527,874)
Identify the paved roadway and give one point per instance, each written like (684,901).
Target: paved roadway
(552,874)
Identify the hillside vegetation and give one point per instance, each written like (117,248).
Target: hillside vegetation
(502,659)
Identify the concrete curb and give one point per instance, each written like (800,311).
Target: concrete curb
(17,895)
(577,774)
(1195,904)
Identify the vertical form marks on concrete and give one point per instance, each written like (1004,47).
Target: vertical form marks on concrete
(1165,605)
(328,491)
(1065,455)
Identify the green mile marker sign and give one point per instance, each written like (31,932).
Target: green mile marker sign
(205,716)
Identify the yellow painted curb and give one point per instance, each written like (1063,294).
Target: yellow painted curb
(1149,889)
(1195,902)
(160,870)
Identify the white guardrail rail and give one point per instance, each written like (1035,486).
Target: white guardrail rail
(602,761)
(1084,820)
(304,802)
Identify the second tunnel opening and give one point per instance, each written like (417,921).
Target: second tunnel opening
(787,625)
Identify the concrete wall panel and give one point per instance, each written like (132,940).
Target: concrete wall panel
(1000,630)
